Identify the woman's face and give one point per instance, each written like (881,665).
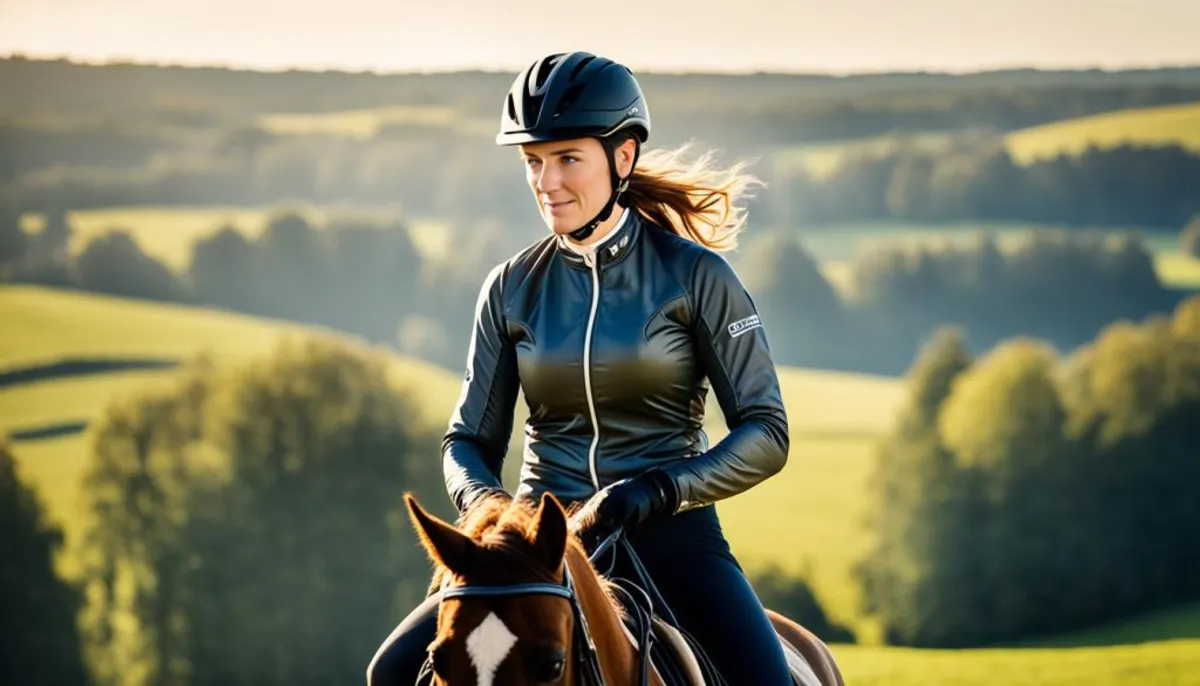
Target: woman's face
(570,179)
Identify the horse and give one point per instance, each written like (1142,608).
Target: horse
(522,602)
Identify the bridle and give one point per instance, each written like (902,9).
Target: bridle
(585,645)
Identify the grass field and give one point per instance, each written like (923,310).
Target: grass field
(1164,125)
(365,123)
(819,159)
(833,415)
(806,519)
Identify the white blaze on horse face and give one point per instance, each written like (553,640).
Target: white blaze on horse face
(488,644)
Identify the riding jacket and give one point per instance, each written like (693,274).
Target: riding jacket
(615,350)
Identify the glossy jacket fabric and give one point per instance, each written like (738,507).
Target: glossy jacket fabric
(615,353)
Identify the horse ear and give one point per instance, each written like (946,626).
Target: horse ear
(445,544)
(549,531)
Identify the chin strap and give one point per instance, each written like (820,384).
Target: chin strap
(619,185)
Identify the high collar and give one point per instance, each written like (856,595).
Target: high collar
(608,250)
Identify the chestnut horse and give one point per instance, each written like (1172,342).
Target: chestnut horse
(522,603)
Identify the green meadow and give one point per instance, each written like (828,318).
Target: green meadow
(1164,125)
(806,520)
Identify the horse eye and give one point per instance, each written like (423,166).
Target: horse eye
(548,666)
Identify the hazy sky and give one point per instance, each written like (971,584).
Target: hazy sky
(829,36)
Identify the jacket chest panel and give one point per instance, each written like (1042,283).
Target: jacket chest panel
(641,348)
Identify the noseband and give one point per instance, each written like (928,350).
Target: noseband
(585,646)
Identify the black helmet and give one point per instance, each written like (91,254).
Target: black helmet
(573,95)
(577,95)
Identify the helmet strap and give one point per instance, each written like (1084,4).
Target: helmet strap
(619,186)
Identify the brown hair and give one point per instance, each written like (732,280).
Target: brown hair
(697,201)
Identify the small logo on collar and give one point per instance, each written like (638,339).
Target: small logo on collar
(618,246)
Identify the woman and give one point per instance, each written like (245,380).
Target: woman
(614,326)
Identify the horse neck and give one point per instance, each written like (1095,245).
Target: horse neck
(618,658)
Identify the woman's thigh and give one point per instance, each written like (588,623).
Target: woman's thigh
(399,658)
(691,565)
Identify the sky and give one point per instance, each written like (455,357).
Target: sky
(848,36)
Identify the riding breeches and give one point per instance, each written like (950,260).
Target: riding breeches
(691,565)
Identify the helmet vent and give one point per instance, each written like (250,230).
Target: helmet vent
(512,109)
(580,67)
(544,70)
(568,98)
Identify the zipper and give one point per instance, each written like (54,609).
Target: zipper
(590,259)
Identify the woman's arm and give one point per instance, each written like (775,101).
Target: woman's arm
(731,346)
(477,438)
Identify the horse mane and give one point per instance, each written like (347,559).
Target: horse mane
(506,527)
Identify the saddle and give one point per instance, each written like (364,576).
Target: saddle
(673,653)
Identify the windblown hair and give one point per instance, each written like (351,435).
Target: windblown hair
(697,201)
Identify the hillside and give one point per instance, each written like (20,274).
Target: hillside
(813,503)
(804,520)
(1164,125)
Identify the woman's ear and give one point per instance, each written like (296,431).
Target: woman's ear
(624,156)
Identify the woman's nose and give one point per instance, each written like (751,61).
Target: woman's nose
(547,179)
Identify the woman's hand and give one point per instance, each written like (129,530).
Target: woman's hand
(624,505)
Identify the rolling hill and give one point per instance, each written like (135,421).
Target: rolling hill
(807,518)
(1163,125)
(813,503)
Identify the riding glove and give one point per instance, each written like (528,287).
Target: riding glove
(625,504)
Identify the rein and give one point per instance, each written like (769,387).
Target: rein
(585,646)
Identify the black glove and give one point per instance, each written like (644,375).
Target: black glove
(625,504)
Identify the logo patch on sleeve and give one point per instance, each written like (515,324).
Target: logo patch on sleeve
(741,326)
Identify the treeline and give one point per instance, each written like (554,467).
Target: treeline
(367,277)
(1061,286)
(431,171)
(1127,185)
(199,96)
(1022,494)
(360,274)
(101,136)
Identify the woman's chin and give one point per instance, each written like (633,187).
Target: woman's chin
(562,225)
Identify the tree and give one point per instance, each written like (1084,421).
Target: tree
(114,263)
(800,309)
(920,512)
(794,598)
(224,271)
(13,240)
(37,615)
(254,514)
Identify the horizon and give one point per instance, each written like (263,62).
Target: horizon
(865,37)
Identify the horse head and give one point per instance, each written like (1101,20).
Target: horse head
(521,603)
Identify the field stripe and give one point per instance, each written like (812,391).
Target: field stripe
(80,366)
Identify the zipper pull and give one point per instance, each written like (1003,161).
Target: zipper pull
(589,258)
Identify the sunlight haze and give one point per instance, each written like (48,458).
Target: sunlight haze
(857,36)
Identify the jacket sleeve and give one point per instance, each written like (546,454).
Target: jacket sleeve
(480,427)
(731,347)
